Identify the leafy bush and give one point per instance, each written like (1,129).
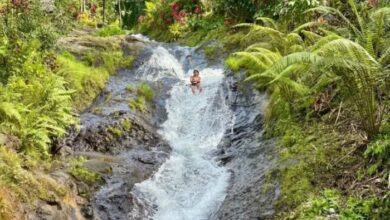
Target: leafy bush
(35,104)
(341,60)
(282,67)
(110,30)
(379,153)
(133,10)
(287,10)
(239,10)
(169,20)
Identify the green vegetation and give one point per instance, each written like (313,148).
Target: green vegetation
(115,131)
(210,52)
(324,65)
(42,86)
(110,30)
(144,93)
(78,171)
(329,203)
(86,81)
(19,185)
(126,124)
(138,104)
(88,74)
(130,88)
(324,78)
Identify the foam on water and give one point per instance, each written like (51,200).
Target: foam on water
(190,185)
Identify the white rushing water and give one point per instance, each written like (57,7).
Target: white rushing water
(190,185)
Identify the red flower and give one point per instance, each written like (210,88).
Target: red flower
(175,7)
(93,9)
(182,14)
(180,17)
(198,9)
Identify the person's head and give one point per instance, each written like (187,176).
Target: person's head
(196,72)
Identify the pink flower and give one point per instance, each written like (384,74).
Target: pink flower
(180,17)
(198,9)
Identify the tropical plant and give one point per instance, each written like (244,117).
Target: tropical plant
(238,10)
(130,12)
(35,111)
(260,57)
(342,61)
(293,9)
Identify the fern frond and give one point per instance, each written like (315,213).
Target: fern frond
(294,38)
(302,58)
(352,4)
(268,22)
(250,57)
(345,46)
(308,25)
(9,111)
(381,12)
(324,40)
(311,36)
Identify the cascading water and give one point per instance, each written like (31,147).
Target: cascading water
(190,185)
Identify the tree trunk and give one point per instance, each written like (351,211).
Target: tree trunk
(120,13)
(104,11)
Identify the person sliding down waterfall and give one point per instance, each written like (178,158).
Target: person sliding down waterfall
(195,82)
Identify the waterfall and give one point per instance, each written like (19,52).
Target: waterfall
(190,185)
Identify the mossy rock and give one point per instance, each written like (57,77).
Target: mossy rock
(98,166)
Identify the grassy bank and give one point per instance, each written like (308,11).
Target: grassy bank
(42,87)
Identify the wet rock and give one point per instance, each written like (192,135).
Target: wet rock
(55,210)
(121,144)
(98,166)
(249,157)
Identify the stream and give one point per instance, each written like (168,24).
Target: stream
(190,156)
(190,185)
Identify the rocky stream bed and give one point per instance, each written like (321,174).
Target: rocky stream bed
(131,149)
